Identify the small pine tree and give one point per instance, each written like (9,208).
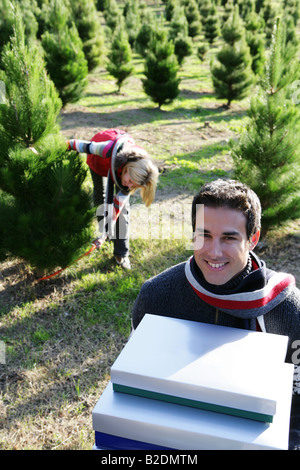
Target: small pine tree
(212,26)
(45,213)
(89,30)
(63,46)
(178,32)
(193,17)
(178,24)
(255,39)
(31,104)
(145,33)
(267,156)
(183,48)
(28,9)
(232,76)
(120,57)
(161,67)
(132,20)
(227,11)
(170,7)
(202,51)
(269,13)
(112,14)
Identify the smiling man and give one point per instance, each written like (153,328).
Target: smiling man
(224,243)
(224,282)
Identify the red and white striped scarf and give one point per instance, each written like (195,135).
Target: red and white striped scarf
(245,304)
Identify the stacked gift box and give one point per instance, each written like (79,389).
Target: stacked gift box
(179,384)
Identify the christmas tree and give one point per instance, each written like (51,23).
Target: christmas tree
(232,74)
(45,214)
(63,46)
(211,26)
(193,17)
(32,104)
(255,39)
(89,30)
(161,67)
(267,155)
(120,57)
(28,8)
(178,23)
(145,33)
(112,14)
(178,32)
(132,18)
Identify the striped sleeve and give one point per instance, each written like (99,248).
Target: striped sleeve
(119,202)
(96,148)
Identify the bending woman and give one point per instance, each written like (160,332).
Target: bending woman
(118,168)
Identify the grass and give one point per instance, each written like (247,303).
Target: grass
(62,336)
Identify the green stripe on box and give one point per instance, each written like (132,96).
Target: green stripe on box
(193,403)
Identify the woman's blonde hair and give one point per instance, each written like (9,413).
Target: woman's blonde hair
(144,173)
(141,169)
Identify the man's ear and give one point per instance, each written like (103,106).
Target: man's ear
(254,240)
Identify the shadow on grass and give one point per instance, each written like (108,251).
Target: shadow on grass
(65,370)
(137,116)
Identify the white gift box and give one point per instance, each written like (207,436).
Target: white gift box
(123,421)
(216,368)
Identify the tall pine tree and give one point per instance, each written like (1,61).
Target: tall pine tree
(64,56)
(45,212)
(161,67)
(267,155)
(89,30)
(232,74)
(120,63)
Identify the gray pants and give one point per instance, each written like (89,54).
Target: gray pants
(121,243)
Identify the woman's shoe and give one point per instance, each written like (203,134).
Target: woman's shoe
(123,262)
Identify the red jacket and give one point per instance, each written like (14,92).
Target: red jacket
(102,164)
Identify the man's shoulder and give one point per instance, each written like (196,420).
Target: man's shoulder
(293,299)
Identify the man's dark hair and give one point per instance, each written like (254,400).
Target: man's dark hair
(233,195)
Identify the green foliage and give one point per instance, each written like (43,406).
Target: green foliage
(63,46)
(120,56)
(89,30)
(232,75)
(193,17)
(44,211)
(31,102)
(132,20)
(28,9)
(145,33)
(267,156)
(47,216)
(269,12)
(255,38)
(183,48)
(202,51)
(112,14)
(170,7)
(178,23)
(211,26)
(161,67)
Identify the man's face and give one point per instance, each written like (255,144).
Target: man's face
(221,246)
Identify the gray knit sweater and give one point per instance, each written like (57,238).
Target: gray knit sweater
(171,294)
